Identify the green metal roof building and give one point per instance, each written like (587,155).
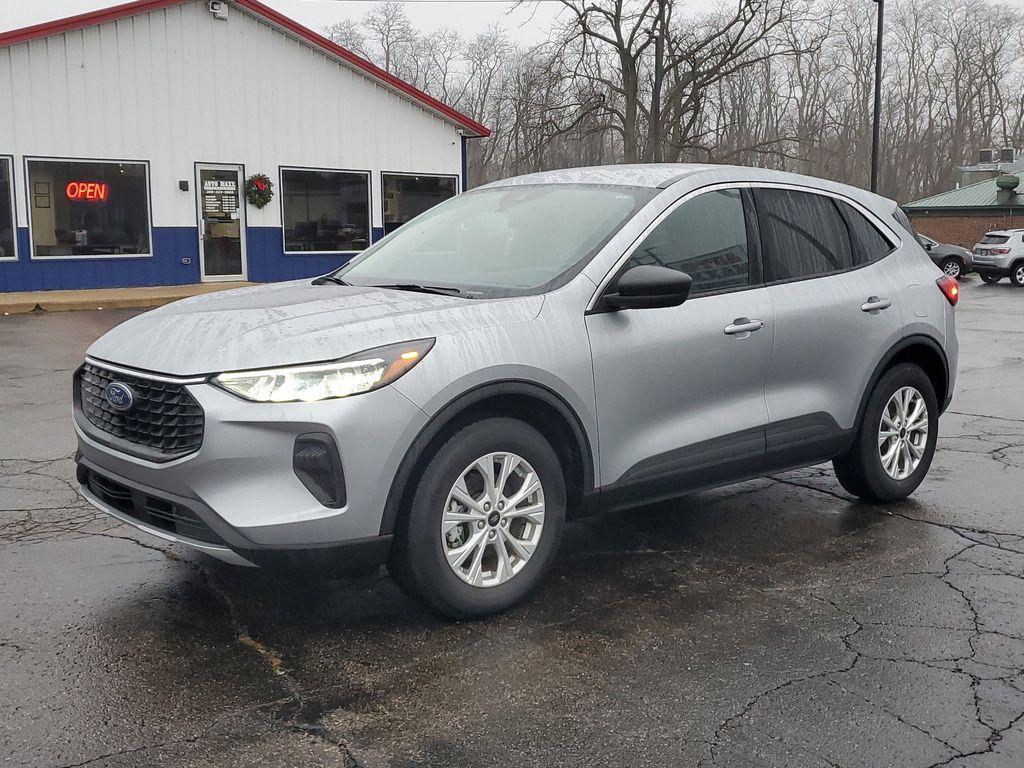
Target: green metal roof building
(962,216)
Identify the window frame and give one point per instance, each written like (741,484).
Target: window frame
(367,174)
(754,268)
(458,189)
(14,209)
(58,159)
(895,241)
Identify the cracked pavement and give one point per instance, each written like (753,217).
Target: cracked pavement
(773,623)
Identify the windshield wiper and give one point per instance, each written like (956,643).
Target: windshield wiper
(330,279)
(443,290)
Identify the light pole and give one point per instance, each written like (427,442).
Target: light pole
(876,128)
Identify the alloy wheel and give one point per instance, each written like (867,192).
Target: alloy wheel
(952,268)
(903,433)
(492,519)
(1018,275)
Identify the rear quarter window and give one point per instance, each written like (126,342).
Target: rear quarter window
(868,243)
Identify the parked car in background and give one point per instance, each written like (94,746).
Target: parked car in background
(954,260)
(1001,254)
(523,353)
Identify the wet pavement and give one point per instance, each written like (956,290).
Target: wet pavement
(773,623)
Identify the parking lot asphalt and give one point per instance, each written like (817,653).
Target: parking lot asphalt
(774,623)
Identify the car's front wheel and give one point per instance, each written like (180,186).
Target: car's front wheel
(896,438)
(952,267)
(484,522)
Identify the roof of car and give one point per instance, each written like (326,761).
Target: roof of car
(635,175)
(662,175)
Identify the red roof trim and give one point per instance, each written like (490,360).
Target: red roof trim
(145,6)
(82,20)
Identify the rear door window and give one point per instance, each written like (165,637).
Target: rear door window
(803,235)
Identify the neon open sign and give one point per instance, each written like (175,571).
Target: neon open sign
(87,190)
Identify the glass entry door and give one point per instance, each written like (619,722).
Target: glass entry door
(221,223)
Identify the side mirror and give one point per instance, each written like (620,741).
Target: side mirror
(650,287)
(925,244)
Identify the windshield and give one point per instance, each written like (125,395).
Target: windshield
(504,241)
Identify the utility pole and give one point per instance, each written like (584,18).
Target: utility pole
(876,128)
(659,73)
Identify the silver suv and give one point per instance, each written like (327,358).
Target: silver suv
(1001,254)
(519,355)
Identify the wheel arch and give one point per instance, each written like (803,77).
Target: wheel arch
(921,350)
(535,404)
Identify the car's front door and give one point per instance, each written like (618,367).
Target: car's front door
(680,390)
(836,314)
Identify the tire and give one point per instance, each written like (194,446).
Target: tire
(990,279)
(419,563)
(953,267)
(1017,274)
(860,470)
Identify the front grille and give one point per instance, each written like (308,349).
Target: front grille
(150,510)
(164,422)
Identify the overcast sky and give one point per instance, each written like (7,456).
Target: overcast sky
(526,25)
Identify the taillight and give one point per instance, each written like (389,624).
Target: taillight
(950,289)
(1000,251)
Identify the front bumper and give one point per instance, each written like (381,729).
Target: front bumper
(211,535)
(242,486)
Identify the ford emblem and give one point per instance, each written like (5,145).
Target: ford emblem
(120,396)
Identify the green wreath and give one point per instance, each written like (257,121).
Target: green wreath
(259,190)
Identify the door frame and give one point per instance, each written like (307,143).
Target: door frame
(242,228)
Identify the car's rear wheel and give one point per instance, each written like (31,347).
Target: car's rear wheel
(1017,274)
(952,267)
(896,438)
(987,278)
(485,520)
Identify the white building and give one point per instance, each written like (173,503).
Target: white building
(128,135)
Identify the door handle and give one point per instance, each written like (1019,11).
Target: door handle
(743,325)
(875,304)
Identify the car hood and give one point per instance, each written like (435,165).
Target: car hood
(293,322)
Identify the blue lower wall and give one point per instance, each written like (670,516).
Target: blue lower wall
(264,250)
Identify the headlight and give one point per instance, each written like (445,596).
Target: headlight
(363,372)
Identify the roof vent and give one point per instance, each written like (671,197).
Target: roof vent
(1007,154)
(1007,182)
(986,155)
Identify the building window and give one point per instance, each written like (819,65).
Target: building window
(407,196)
(88,208)
(8,232)
(325,211)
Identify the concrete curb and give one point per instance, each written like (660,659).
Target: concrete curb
(105,298)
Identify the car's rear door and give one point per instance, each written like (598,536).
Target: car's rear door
(836,314)
(680,390)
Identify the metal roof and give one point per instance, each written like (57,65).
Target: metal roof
(276,19)
(983,194)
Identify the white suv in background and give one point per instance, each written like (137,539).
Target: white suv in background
(1001,254)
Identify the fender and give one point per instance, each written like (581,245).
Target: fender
(461,403)
(887,358)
